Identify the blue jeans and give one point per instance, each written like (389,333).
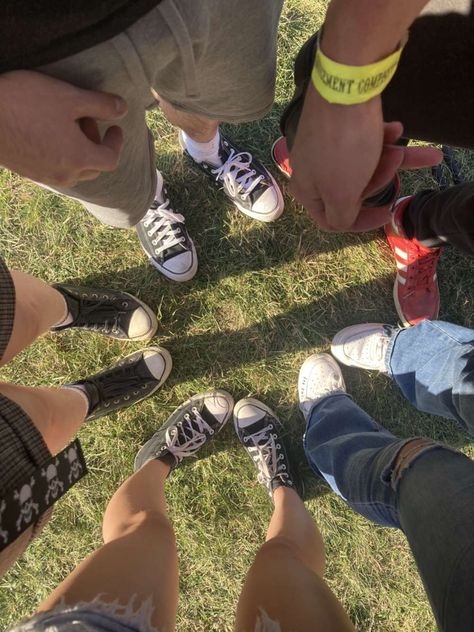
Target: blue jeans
(433,364)
(430,493)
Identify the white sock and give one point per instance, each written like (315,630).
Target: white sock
(78,388)
(67,318)
(203,152)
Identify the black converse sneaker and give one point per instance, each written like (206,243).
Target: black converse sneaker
(245,181)
(165,240)
(259,432)
(115,314)
(188,428)
(132,379)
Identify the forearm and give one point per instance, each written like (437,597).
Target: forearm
(359,32)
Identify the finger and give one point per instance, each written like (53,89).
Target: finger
(389,163)
(371,219)
(99,105)
(106,156)
(90,129)
(420,157)
(392,132)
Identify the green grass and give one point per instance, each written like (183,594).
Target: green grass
(265,297)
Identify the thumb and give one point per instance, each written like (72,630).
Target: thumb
(100,105)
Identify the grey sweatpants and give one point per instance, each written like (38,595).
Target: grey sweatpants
(214,58)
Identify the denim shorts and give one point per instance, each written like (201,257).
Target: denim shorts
(97,616)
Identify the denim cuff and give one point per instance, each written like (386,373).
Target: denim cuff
(388,353)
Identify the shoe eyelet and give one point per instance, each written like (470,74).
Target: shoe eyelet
(124,304)
(126,398)
(107,405)
(116,401)
(283,467)
(278,447)
(211,431)
(144,387)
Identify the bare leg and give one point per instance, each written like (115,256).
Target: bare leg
(200,129)
(57,413)
(285,581)
(138,556)
(38,307)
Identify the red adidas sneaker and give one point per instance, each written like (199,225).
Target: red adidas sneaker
(281,156)
(415,292)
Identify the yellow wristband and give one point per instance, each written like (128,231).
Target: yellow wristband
(349,85)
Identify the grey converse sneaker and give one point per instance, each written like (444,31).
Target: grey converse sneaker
(115,314)
(244,180)
(319,376)
(132,379)
(259,432)
(188,428)
(165,240)
(363,346)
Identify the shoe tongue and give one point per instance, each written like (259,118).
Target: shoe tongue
(93,395)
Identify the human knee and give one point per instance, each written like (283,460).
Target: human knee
(144,519)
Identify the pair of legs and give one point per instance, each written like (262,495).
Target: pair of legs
(139,558)
(37,423)
(57,413)
(133,577)
(425,489)
(180,53)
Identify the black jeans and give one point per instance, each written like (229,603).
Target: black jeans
(443,217)
(432,94)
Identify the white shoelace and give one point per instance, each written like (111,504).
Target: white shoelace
(264,453)
(159,222)
(188,435)
(228,173)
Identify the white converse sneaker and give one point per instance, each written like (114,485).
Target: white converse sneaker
(244,180)
(363,346)
(319,376)
(165,240)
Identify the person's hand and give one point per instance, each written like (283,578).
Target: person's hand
(344,154)
(49,133)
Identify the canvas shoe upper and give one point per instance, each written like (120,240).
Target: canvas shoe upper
(187,429)
(364,346)
(129,381)
(415,291)
(260,433)
(244,180)
(319,377)
(165,240)
(116,314)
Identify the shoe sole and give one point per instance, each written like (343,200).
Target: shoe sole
(145,454)
(275,161)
